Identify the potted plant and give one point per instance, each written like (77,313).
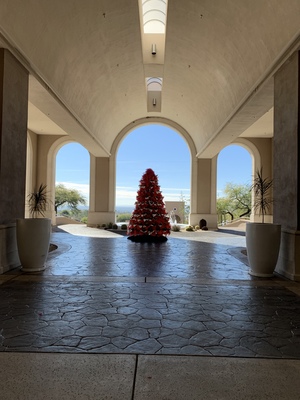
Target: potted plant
(33,234)
(262,239)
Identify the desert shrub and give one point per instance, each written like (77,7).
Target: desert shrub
(123,217)
(175,228)
(189,228)
(197,227)
(65,213)
(115,226)
(124,227)
(84,220)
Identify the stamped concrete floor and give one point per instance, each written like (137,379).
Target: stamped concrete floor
(133,314)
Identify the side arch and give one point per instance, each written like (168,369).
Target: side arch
(261,153)
(253,150)
(51,169)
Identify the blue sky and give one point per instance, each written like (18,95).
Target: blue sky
(157,147)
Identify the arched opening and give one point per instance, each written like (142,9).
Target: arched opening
(162,149)
(234,178)
(72,178)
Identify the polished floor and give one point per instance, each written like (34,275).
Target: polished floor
(155,314)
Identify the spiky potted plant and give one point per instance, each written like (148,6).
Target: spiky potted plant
(262,239)
(33,234)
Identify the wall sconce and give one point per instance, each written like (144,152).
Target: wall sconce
(154,102)
(153,49)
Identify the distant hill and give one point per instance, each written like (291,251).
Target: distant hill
(124,209)
(119,209)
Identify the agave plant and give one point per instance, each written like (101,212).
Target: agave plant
(38,201)
(262,199)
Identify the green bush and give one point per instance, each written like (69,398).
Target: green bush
(189,228)
(84,220)
(65,213)
(123,217)
(124,227)
(197,227)
(115,226)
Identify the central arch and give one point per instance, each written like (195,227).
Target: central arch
(159,121)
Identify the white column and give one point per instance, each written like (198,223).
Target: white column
(101,210)
(203,193)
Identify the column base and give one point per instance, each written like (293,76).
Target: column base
(288,264)
(98,218)
(9,258)
(211,220)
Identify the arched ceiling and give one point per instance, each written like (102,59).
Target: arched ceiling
(88,67)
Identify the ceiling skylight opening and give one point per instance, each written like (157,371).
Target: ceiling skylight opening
(154,84)
(154,16)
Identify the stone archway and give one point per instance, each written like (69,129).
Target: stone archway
(146,121)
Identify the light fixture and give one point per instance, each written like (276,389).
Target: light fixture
(154,102)
(153,49)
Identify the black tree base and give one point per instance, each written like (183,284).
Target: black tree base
(148,239)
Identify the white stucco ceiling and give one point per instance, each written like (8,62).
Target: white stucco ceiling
(87,67)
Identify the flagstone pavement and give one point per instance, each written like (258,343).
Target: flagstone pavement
(191,295)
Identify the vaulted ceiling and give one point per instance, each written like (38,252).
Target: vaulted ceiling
(88,65)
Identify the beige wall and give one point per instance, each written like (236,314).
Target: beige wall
(265,149)
(286,166)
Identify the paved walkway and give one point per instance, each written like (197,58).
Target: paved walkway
(102,294)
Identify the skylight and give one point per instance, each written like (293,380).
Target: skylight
(154,84)
(154,16)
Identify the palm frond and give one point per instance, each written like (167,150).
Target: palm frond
(262,199)
(38,201)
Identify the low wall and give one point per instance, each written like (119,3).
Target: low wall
(60,220)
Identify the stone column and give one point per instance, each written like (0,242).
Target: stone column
(286,166)
(204,193)
(13,140)
(101,210)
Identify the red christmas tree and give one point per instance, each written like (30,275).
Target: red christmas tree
(149,220)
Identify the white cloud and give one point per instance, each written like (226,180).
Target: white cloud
(126,195)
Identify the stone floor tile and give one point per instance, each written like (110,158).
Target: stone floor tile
(206,338)
(93,342)
(211,378)
(73,376)
(174,341)
(148,346)
(122,342)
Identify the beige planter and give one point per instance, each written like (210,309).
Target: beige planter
(33,240)
(263,243)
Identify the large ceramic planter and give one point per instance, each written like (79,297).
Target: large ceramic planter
(263,243)
(33,240)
